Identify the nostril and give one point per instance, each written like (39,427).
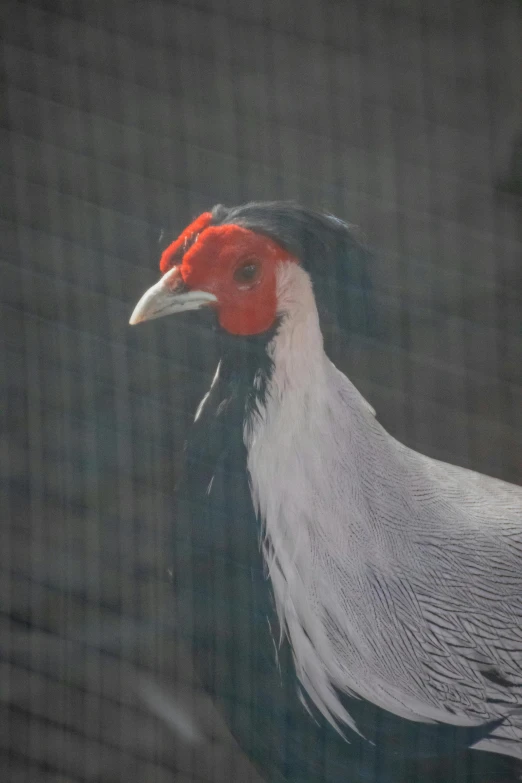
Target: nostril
(174,282)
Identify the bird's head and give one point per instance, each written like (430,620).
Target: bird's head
(227,267)
(230,259)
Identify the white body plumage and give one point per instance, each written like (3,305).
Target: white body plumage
(397,577)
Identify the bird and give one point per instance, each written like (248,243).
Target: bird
(353,606)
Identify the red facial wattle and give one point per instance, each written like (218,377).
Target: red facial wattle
(173,254)
(210,263)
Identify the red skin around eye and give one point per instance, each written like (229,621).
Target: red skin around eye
(209,265)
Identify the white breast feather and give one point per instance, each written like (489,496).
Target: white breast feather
(396,577)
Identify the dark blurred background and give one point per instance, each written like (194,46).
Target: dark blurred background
(123,120)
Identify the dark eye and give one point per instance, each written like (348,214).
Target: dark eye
(248,272)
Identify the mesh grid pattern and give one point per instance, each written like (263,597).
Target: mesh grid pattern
(121,120)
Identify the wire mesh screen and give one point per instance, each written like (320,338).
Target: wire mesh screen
(121,122)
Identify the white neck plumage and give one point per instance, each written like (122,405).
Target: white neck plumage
(293,442)
(297,351)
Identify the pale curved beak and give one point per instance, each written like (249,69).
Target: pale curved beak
(168,296)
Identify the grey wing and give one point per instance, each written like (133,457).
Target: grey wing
(467,590)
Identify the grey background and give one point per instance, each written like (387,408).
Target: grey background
(120,120)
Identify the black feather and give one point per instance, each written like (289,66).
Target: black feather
(340,265)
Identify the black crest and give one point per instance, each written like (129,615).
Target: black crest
(338,263)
